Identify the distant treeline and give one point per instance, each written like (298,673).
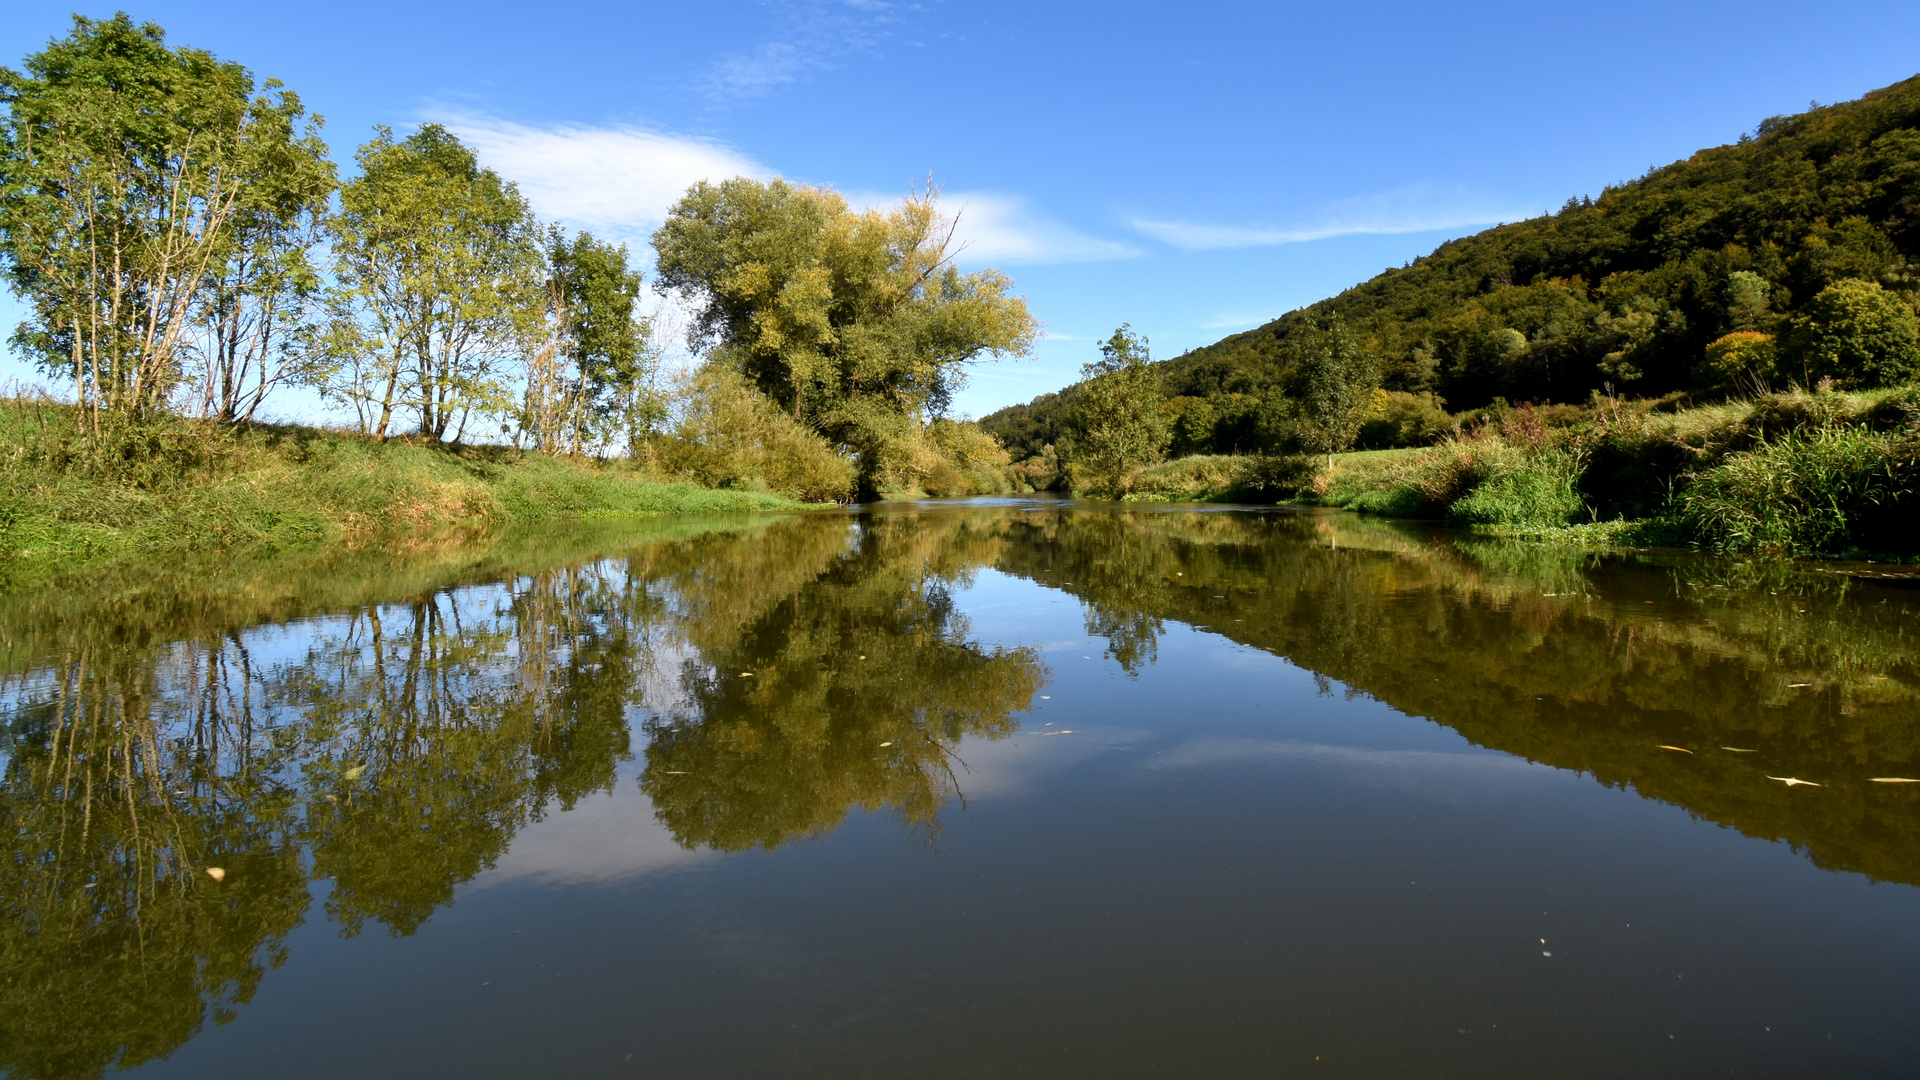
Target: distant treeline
(1784,258)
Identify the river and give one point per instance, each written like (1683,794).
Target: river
(996,788)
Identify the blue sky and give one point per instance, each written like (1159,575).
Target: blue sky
(1193,168)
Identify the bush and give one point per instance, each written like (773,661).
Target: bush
(1857,333)
(968,461)
(1403,419)
(728,436)
(1825,490)
(1251,478)
(1535,491)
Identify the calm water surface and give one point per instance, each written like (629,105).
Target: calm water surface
(1002,789)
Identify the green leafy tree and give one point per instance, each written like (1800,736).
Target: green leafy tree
(130,175)
(1855,332)
(1116,420)
(589,367)
(1333,384)
(256,303)
(438,269)
(857,324)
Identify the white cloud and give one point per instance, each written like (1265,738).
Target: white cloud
(998,227)
(811,35)
(1006,228)
(1415,208)
(758,71)
(619,180)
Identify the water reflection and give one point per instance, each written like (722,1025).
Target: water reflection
(395,750)
(387,723)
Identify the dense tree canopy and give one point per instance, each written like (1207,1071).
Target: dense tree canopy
(857,323)
(1627,289)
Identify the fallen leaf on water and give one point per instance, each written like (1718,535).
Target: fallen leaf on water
(354,773)
(1046,697)
(887,743)
(1895,780)
(1682,749)
(749,674)
(1047,734)
(676,772)
(216,873)
(1794,781)
(1797,685)
(1737,750)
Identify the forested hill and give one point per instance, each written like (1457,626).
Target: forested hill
(1628,288)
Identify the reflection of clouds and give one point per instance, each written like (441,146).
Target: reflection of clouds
(605,838)
(1437,773)
(1015,765)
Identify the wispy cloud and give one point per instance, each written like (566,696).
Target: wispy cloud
(619,180)
(1009,229)
(622,180)
(812,36)
(1415,208)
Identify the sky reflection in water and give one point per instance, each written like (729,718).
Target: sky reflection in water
(1020,788)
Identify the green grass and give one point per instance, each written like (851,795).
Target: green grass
(67,494)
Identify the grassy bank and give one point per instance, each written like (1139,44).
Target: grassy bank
(1801,473)
(68,494)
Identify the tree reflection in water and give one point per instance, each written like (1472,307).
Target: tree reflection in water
(388,725)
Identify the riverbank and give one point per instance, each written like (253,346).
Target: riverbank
(68,495)
(1825,473)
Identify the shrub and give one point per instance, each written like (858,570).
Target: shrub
(968,461)
(1744,361)
(1827,490)
(728,436)
(1858,333)
(1536,490)
(1251,478)
(1403,419)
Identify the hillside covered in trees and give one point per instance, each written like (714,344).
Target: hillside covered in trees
(1660,285)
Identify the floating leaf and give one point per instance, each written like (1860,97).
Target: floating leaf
(1794,781)
(354,773)
(1681,749)
(1895,780)
(1737,750)
(887,743)
(216,873)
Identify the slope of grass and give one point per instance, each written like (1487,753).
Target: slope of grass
(67,493)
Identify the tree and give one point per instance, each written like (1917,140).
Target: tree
(1856,332)
(438,269)
(126,172)
(590,361)
(255,304)
(1332,383)
(857,324)
(1116,420)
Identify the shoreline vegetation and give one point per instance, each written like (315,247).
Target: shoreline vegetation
(1722,353)
(187,252)
(167,487)
(1739,330)
(1823,473)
